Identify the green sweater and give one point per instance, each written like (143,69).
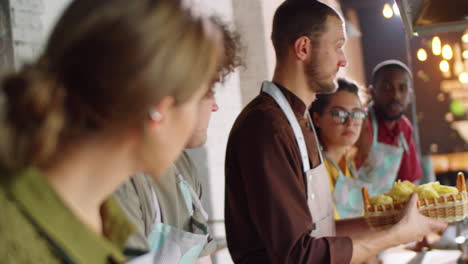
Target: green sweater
(37,227)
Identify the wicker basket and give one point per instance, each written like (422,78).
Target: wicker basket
(447,208)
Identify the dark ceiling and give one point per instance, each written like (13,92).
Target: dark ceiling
(359,3)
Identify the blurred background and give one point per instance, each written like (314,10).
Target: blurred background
(431,36)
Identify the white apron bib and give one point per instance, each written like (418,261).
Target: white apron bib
(171,245)
(319,198)
(383,162)
(347,192)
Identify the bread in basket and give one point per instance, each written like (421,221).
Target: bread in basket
(450,207)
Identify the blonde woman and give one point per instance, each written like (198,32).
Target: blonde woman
(115,92)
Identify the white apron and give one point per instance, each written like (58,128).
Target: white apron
(347,192)
(170,245)
(319,199)
(383,162)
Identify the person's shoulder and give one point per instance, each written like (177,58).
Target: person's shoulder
(134,195)
(184,162)
(260,115)
(130,188)
(20,242)
(187,168)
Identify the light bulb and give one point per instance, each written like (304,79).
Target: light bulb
(465,54)
(444,66)
(387,11)
(463,77)
(447,52)
(465,38)
(422,55)
(436,46)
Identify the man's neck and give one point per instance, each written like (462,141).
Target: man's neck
(390,124)
(295,82)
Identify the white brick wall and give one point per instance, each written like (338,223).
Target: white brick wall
(250,18)
(26,29)
(52,11)
(32,21)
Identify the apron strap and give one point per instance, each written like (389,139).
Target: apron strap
(272,90)
(190,196)
(333,163)
(157,207)
(402,142)
(352,169)
(375,132)
(350,165)
(375,127)
(311,124)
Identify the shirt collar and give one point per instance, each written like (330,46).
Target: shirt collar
(297,105)
(52,217)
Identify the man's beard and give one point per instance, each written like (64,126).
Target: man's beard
(387,117)
(319,85)
(392,118)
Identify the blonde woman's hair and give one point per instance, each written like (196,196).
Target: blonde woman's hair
(106,62)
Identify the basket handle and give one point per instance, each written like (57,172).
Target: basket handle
(461,185)
(365,197)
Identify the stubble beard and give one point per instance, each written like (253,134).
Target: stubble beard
(317,84)
(386,116)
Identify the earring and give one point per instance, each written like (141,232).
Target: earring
(155,115)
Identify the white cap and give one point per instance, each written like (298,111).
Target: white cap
(393,63)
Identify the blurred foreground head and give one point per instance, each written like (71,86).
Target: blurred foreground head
(106,68)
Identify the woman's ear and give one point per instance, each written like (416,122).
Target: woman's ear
(161,111)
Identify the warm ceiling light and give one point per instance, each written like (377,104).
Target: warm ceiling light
(447,52)
(458,67)
(463,77)
(465,38)
(387,11)
(465,54)
(444,66)
(422,55)
(436,46)
(396,10)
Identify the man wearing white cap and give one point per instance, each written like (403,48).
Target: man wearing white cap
(386,147)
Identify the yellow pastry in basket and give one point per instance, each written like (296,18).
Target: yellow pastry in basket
(406,184)
(451,208)
(401,191)
(381,200)
(426,191)
(444,190)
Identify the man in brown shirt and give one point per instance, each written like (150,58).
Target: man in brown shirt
(268,219)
